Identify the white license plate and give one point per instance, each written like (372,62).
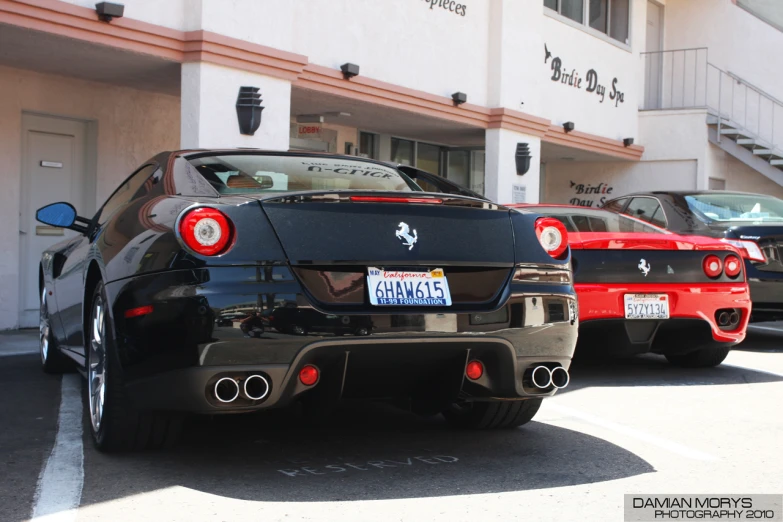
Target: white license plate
(403,288)
(646,306)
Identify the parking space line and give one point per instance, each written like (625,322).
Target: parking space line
(668,445)
(59,490)
(770,328)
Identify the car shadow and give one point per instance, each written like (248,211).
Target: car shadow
(763,338)
(363,451)
(655,370)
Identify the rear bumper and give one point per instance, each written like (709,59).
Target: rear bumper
(691,309)
(766,291)
(173,357)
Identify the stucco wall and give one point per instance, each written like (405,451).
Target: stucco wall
(131,126)
(738,176)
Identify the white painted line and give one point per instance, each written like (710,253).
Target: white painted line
(18,352)
(770,328)
(668,445)
(59,490)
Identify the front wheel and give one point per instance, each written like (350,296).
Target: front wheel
(114,423)
(704,358)
(492,415)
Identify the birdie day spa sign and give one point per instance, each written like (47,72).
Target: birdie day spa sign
(589,82)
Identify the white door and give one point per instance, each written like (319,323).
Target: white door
(653,62)
(53,164)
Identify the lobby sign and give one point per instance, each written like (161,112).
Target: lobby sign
(590,81)
(587,195)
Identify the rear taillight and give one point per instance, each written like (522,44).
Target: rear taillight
(206,231)
(732,265)
(748,249)
(713,266)
(552,235)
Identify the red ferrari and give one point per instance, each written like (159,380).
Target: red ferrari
(643,289)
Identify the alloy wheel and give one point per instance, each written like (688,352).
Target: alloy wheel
(43,329)
(96,378)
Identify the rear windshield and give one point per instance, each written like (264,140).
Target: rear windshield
(589,220)
(255,173)
(736,207)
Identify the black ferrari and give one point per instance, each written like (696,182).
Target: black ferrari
(753,223)
(233,281)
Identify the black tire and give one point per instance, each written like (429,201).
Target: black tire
(492,415)
(120,427)
(704,358)
(52,359)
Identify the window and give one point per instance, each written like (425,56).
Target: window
(428,157)
(646,209)
(133,188)
(735,207)
(615,205)
(255,173)
(767,10)
(402,151)
(368,145)
(610,17)
(594,220)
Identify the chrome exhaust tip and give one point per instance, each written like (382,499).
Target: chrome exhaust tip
(723,318)
(226,390)
(734,318)
(560,377)
(256,387)
(541,377)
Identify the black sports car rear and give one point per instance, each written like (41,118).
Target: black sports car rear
(237,281)
(751,222)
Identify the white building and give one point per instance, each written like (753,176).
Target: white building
(84,101)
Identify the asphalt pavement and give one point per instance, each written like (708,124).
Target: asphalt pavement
(622,426)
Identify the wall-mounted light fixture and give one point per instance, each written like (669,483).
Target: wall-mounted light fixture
(349,70)
(522,157)
(249,110)
(108,11)
(459,98)
(627,142)
(569,126)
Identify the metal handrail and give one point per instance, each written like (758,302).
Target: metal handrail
(685,79)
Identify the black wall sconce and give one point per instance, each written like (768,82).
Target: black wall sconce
(459,98)
(349,70)
(569,126)
(249,110)
(627,142)
(522,157)
(108,11)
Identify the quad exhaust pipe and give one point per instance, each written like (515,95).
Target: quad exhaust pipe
(542,377)
(255,387)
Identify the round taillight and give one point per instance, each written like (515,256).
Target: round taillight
(552,235)
(732,265)
(308,375)
(474,370)
(713,266)
(206,231)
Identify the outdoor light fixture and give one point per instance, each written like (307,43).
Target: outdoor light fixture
(459,98)
(108,11)
(522,158)
(568,126)
(249,110)
(349,70)
(628,142)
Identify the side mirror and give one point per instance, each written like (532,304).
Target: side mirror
(61,215)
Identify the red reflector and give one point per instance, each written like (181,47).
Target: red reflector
(390,199)
(474,370)
(308,375)
(136,312)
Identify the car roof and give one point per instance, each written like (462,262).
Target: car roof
(687,193)
(196,153)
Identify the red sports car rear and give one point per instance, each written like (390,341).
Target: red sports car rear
(642,289)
